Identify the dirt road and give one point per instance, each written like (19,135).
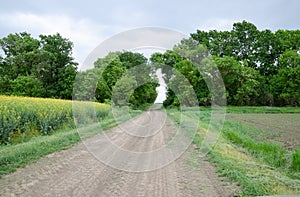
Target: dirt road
(78,171)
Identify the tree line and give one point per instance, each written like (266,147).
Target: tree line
(44,67)
(258,67)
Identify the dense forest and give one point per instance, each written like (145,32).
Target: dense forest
(258,67)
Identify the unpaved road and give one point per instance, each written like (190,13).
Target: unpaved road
(76,171)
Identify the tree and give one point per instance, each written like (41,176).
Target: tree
(288,39)
(103,92)
(27,86)
(186,84)
(230,70)
(260,49)
(5,77)
(184,92)
(130,59)
(267,51)
(286,88)
(168,58)
(218,43)
(241,82)
(113,72)
(123,90)
(119,70)
(245,35)
(21,51)
(58,70)
(285,85)
(103,62)
(47,59)
(85,86)
(263,51)
(289,59)
(144,95)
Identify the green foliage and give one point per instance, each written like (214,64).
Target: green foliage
(288,39)
(262,109)
(258,67)
(27,86)
(238,173)
(241,82)
(259,49)
(272,153)
(296,160)
(186,83)
(130,60)
(85,85)
(125,78)
(144,95)
(286,83)
(46,61)
(113,71)
(123,90)
(21,51)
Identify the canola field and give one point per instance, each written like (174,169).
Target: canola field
(24,117)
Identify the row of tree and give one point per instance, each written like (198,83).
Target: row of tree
(257,67)
(42,67)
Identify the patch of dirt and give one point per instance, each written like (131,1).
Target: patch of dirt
(283,128)
(76,172)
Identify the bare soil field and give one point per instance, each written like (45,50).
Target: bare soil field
(283,127)
(77,172)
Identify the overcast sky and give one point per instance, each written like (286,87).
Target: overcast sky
(87,23)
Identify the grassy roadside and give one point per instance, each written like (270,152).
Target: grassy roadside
(19,155)
(259,167)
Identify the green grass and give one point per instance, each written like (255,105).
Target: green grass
(244,155)
(249,109)
(254,176)
(271,152)
(14,156)
(296,161)
(262,109)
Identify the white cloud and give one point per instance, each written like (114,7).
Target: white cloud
(85,34)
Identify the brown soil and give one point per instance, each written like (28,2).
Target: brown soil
(283,128)
(76,172)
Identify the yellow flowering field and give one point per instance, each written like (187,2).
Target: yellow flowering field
(25,116)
